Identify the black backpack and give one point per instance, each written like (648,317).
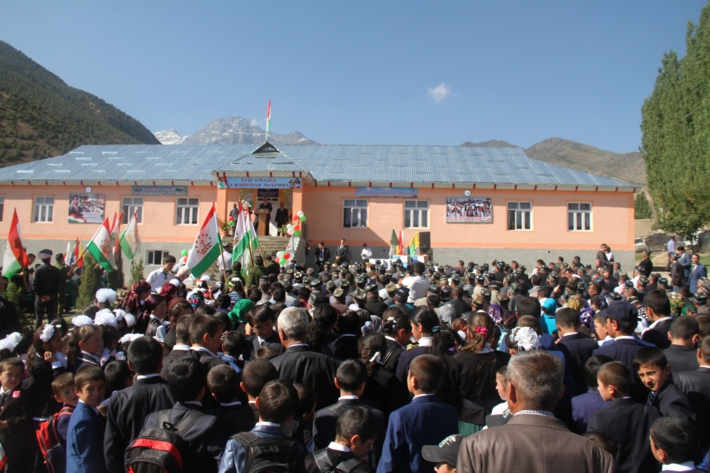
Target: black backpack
(324,465)
(268,455)
(162,449)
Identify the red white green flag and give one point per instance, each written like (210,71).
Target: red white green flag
(130,241)
(207,246)
(268,119)
(101,248)
(15,257)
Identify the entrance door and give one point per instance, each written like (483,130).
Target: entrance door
(268,198)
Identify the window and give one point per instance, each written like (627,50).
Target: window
(519,215)
(44,209)
(130,205)
(186,211)
(355,213)
(579,216)
(416,213)
(155,257)
(2,207)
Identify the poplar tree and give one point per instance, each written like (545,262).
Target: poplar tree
(676,135)
(90,283)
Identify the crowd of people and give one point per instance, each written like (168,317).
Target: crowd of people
(369,368)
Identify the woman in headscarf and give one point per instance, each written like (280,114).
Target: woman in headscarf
(238,314)
(138,294)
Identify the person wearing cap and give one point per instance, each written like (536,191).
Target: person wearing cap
(373,303)
(700,301)
(400,301)
(45,286)
(621,319)
(444,454)
(533,441)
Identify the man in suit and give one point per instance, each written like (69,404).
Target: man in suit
(341,253)
(281,217)
(425,421)
(533,440)
(621,320)
(299,363)
(45,286)
(322,256)
(576,347)
(696,386)
(234,417)
(681,354)
(584,405)
(187,382)
(697,272)
(624,420)
(128,408)
(658,310)
(181,349)
(374,304)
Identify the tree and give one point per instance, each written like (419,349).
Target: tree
(642,208)
(136,270)
(676,135)
(90,282)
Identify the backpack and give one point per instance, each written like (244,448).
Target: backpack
(50,445)
(268,455)
(162,449)
(323,463)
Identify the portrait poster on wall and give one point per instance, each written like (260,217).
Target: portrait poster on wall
(86,208)
(469,210)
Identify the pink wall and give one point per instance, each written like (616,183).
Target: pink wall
(612,219)
(158,212)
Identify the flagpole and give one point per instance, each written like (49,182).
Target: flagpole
(221,250)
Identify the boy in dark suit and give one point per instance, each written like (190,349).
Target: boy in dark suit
(276,403)
(696,385)
(627,422)
(655,373)
(675,443)
(181,349)
(658,310)
(356,432)
(576,347)
(187,382)
(85,434)
(423,422)
(129,407)
(584,405)
(234,417)
(16,426)
(254,377)
(681,354)
(262,321)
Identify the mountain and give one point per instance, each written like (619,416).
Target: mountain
(628,167)
(231,131)
(41,116)
(491,144)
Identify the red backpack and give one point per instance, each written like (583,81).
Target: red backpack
(52,448)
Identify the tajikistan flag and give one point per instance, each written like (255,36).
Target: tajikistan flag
(207,246)
(101,248)
(15,257)
(130,241)
(245,240)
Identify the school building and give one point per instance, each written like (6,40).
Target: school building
(474,204)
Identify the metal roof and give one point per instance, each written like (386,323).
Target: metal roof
(325,163)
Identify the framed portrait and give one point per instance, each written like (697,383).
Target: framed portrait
(469,210)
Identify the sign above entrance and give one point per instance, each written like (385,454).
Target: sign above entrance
(386,192)
(263,183)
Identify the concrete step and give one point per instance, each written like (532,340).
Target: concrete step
(270,245)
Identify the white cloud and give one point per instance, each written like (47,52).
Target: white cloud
(254,122)
(440,92)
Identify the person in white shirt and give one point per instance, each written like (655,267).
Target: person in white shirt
(160,276)
(224,262)
(366,253)
(416,284)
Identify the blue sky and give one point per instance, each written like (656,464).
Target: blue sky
(366,72)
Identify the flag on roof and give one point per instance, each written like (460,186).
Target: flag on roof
(207,246)
(15,257)
(101,248)
(130,241)
(268,119)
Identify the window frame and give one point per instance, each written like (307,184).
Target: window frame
(579,212)
(127,214)
(36,212)
(365,207)
(419,211)
(180,211)
(163,253)
(522,212)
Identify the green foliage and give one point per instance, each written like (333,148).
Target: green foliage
(136,270)
(676,135)
(115,278)
(15,294)
(90,282)
(41,116)
(642,207)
